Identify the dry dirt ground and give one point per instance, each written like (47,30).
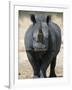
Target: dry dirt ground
(24,68)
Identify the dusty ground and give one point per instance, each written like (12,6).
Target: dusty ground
(25,71)
(24,68)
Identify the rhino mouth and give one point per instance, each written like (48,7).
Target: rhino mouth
(35,49)
(39,47)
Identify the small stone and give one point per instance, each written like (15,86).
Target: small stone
(19,73)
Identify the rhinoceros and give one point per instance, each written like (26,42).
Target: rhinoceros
(42,43)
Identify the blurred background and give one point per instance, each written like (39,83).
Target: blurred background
(24,68)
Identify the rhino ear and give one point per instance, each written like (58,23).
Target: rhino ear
(48,19)
(33,19)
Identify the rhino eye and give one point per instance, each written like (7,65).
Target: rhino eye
(34,38)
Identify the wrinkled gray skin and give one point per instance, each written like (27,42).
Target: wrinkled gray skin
(42,42)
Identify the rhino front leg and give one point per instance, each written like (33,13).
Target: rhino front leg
(34,64)
(47,60)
